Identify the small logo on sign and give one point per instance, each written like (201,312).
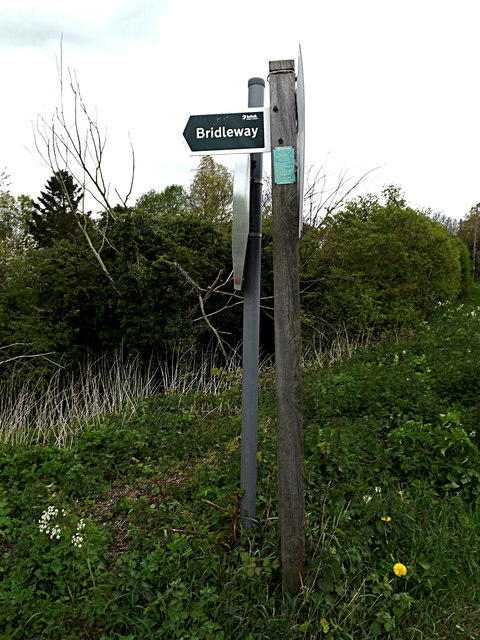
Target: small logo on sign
(249,116)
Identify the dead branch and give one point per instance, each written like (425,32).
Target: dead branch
(224,308)
(203,294)
(321,201)
(29,356)
(83,229)
(76,144)
(16,344)
(210,325)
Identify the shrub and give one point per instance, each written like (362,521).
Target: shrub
(378,267)
(465,266)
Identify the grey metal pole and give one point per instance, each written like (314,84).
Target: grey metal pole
(251,329)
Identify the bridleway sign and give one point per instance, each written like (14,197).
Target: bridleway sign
(245,132)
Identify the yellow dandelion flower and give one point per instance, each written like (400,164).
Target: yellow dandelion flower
(400,569)
(386,518)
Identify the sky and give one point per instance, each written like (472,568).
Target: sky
(391,89)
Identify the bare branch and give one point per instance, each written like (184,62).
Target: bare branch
(184,275)
(34,355)
(224,308)
(16,344)
(83,229)
(321,201)
(215,332)
(76,144)
(73,141)
(124,200)
(213,288)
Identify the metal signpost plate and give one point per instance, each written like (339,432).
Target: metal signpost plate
(301,138)
(240,217)
(247,131)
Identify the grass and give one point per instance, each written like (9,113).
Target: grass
(56,408)
(392,475)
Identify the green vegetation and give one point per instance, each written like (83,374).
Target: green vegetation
(55,216)
(133,532)
(379,266)
(119,462)
(144,278)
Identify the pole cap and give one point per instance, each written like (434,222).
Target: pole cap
(260,81)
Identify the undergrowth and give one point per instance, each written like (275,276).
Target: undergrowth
(133,532)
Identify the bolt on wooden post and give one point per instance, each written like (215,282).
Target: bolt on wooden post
(288,373)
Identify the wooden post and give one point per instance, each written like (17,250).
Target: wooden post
(288,372)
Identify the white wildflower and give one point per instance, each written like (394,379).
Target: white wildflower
(77,540)
(55,533)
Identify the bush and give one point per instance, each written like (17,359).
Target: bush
(465,267)
(378,267)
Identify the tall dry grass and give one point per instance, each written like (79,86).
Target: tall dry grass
(57,409)
(39,410)
(323,350)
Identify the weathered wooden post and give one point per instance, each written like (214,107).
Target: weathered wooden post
(283,128)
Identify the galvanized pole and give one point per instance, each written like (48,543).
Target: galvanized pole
(251,328)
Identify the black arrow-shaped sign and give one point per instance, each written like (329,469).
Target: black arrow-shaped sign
(242,132)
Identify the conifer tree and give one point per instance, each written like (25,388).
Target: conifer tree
(56,212)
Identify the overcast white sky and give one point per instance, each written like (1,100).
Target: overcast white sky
(388,84)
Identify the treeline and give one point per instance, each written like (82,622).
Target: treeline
(155,276)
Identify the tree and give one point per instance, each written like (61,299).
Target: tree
(15,214)
(211,191)
(172,200)
(469,232)
(465,267)
(167,267)
(72,140)
(56,212)
(451,225)
(379,266)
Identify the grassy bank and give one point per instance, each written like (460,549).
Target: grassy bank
(133,531)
